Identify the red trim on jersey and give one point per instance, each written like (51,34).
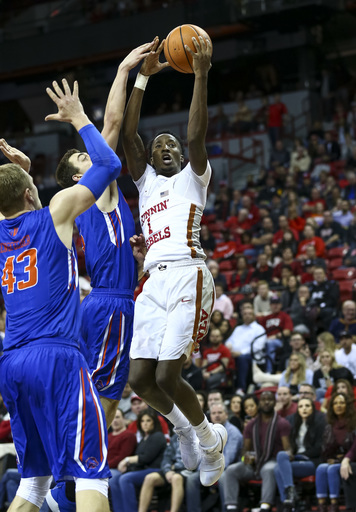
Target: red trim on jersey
(190,230)
(117,352)
(82,435)
(98,419)
(106,346)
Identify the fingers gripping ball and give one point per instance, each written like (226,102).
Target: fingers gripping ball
(174,51)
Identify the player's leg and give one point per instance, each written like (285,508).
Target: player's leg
(92,494)
(19,504)
(110,407)
(31,494)
(151,481)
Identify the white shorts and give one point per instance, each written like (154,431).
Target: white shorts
(172,313)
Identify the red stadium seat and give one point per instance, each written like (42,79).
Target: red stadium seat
(228,275)
(336,252)
(334,263)
(346,289)
(227,265)
(343,274)
(217,226)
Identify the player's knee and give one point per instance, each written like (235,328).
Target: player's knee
(92,484)
(167,382)
(34,489)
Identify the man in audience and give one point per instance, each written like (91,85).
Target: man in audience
(246,337)
(261,303)
(310,239)
(347,322)
(121,442)
(261,463)
(346,354)
(215,360)
(297,344)
(283,228)
(324,293)
(214,268)
(287,259)
(232,453)
(307,390)
(344,216)
(192,374)
(284,404)
(330,231)
(278,326)
(214,397)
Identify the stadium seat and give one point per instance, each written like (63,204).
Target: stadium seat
(346,289)
(333,264)
(343,274)
(228,275)
(227,265)
(336,252)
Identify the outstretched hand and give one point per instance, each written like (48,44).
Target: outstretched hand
(202,56)
(69,106)
(15,155)
(136,55)
(152,64)
(139,249)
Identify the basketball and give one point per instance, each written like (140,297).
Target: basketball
(174,51)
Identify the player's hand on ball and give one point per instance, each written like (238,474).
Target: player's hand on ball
(152,64)
(202,55)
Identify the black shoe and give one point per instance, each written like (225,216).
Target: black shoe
(291,496)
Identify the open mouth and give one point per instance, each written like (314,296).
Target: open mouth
(167,159)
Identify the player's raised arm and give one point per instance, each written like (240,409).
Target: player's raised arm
(15,155)
(198,113)
(71,202)
(132,143)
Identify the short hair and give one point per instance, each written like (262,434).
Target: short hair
(13,183)
(222,404)
(162,132)
(66,170)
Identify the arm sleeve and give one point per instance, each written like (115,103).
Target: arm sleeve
(106,164)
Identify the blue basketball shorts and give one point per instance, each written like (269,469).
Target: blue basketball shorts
(57,421)
(106,330)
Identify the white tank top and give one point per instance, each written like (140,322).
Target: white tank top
(170,214)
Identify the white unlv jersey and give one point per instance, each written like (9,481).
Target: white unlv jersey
(170,214)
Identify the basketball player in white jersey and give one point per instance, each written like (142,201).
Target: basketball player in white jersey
(172,313)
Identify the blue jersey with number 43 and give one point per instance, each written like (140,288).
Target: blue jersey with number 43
(39,281)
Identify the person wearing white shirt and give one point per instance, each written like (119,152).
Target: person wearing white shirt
(346,355)
(222,302)
(240,343)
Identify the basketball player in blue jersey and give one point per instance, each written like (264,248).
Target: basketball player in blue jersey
(57,421)
(172,312)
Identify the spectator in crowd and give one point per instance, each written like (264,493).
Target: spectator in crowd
(344,385)
(216,318)
(351,237)
(207,241)
(312,258)
(225,329)
(325,341)
(279,155)
(239,224)
(350,189)
(235,412)
(261,303)
(192,374)
(260,464)
(288,258)
(296,373)
(348,476)
(253,211)
(218,277)
(249,407)
(125,404)
(133,469)
(324,293)
(263,271)
(330,231)
(169,476)
(310,239)
(346,354)
(289,296)
(300,159)
(203,400)
(328,373)
(243,119)
(278,326)
(309,208)
(285,406)
(216,359)
(332,147)
(226,249)
(214,396)
(267,190)
(337,441)
(277,116)
(232,453)
(301,311)
(121,442)
(306,444)
(140,407)
(344,215)
(242,275)
(295,221)
(245,338)
(223,303)
(264,235)
(347,322)
(307,390)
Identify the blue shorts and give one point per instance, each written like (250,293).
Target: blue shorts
(107,323)
(57,421)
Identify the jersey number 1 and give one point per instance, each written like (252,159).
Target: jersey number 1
(8,279)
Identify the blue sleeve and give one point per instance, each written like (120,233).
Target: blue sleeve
(106,164)
(233,447)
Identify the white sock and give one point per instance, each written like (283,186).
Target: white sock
(207,436)
(177,418)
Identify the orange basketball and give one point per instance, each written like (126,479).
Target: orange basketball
(174,50)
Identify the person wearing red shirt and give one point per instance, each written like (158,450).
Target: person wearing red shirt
(121,442)
(278,325)
(287,259)
(240,223)
(283,227)
(242,276)
(284,404)
(310,239)
(253,211)
(294,220)
(215,360)
(310,207)
(277,112)
(226,249)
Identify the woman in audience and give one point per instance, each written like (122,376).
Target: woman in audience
(147,458)
(328,373)
(337,441)
(340,386)
(296,373)
(216,318)
(249,408)
(242,275)
(225,329)
(325,341)
(306,443)
(235,412)
(203,400)
(289,296)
